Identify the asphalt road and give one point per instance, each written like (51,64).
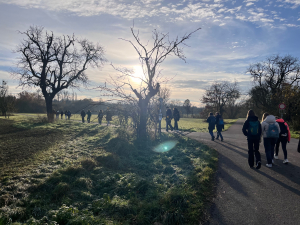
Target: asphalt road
(249,196)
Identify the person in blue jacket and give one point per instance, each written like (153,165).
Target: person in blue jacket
(220,126)
(211,125)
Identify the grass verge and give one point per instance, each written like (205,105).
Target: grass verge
(97,175)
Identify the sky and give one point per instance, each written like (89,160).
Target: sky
(233,35)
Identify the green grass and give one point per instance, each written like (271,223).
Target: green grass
(196,125)
(91,174)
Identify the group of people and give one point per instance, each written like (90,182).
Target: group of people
(274,131)
(172,115)
(67,114)
(215,122)
(100,116)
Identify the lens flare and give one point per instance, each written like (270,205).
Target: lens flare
(165,146)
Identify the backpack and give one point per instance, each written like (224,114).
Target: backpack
(273,131)
(283,130)
(253,127)
(221,121)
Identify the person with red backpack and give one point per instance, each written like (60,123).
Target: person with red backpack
(252,130)
(284,137)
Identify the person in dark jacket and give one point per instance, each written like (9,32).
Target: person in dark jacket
(176,116)
(168,119)
(284,137)
(100,116)
(211,125)
(61,114)
(252,129)
(108,116)
(66,114)
(82,115)
(89,114)
(219,125)
(69,114)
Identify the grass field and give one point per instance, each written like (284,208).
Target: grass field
(74,173)
(196,125)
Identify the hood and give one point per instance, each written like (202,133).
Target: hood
(280,120)
(270,119)
(252,118)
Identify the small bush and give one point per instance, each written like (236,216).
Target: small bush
(60,190)
(88,164)
(110,161)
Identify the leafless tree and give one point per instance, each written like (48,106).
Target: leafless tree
(151,56)
(55,63)
(219,94)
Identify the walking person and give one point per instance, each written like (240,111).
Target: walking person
(66,114)
(57,114)
(61,114)
(89,114)
(100,116)
(69,114)
(220,126)
(108,116)
(176,116)
(211,125)
(168,119)
(82,115)
(252,130)
(284,138)
(270,130)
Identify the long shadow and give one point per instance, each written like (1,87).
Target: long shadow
(234,150)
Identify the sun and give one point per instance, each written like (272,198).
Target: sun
(138,74)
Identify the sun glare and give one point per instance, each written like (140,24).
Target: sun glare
(138,74)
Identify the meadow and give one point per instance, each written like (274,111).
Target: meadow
(79,174)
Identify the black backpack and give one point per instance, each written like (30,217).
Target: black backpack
(283,130)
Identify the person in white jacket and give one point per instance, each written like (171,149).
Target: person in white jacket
(270,131)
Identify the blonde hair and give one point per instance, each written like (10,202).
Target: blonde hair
(264,116)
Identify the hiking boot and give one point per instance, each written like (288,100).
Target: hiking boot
(217,138)
(222,139)
(285,161)
(258,165)
(275,156)
(269,165)
(213,138)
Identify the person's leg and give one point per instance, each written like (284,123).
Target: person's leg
(217,133)
(277,146)
(257,153)
(250,153)
(175,125)
(273,143)
(283,144)
(220,134)
(211,134)
(267,145)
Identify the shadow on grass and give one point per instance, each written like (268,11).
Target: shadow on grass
(124,184)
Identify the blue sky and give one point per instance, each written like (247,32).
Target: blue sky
(233,35)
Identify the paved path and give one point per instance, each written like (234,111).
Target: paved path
(249,196)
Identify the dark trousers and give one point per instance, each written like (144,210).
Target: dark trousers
(283,144)
(219,134)
(269,144)
(99,120)
(82,119)
(211,133)
(175,125)
(168,122)
(89,119)
(253,149)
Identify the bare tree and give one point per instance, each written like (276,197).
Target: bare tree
(55,63)
(151,57)
(187,106)
(271,77)
(220,94)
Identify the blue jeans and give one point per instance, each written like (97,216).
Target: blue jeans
(269,144)
(219,134)
(211,133)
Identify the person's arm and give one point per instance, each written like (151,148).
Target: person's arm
(245,128)
(208,119)
(289,133)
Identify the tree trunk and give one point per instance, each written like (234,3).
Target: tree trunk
(50,114)
(143,103)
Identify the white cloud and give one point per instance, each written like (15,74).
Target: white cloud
(249,4)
